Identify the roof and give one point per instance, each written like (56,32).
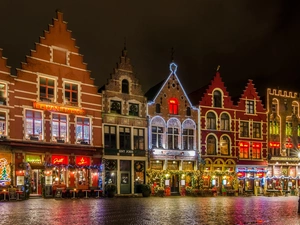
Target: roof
(152,92)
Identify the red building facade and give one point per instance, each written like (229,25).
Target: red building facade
(55,117)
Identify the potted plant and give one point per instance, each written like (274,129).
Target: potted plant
(111,190)
(146,190)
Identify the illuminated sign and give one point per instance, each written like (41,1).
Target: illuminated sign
(35,159)
(83,161)
(259,174)
(240,174)
(57,108)
(59,159)
(5,170)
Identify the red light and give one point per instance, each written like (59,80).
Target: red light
(172,101)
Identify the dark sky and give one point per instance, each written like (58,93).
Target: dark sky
(248,38)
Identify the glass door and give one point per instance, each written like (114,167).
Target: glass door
(35,183)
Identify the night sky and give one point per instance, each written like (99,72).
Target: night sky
(257,40)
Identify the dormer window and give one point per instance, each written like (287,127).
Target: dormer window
(125,86)
(250,107)
(47,89)
(115,107)
(173,106)
(217,99)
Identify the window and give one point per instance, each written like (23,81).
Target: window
(115,107)
(256,130)
(3,123)
(71,94)
(157,136)
(59,128)
(244,129)
(211,121)
(125,86)
(256,150)
(250,107)
(274,105)
(211,145)
(139,138)
(274,127)
(188,111)
(173,106)
(295,108)
(83,130)
(2,94)
(110,140)
(125,138)
(173,134)
(33,125)
(46,89)
(157,108)
(288,129)
(217,99)
(188,139)
(244,150)
(225,123)
(224,145)
(133,109)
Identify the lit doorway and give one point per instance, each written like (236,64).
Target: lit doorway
(35,183)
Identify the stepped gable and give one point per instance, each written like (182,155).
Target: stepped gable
(3,64)
(250,93)
(57,46)
(123,70)
(216,84)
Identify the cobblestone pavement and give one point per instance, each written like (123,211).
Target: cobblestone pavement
(153,210)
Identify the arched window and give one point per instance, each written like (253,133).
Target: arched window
(225,145)
(125,86)
(211,121)
(225,123)
(217,99)
(211,146)
(173,106)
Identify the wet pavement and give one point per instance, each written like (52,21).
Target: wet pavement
(153,210)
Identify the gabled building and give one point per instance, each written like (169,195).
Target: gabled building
(6,106)
(173,135)
(125,128)
(251,135)
(217,127)
(284,137)
(55,117)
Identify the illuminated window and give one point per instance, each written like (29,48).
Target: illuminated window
(274,148)
(250,107)
(59,128)
(225,122)
(133,109)
(256,150)
(125,86)
(46,89)
(211,122)
(244,150)
(125,138)
(33,125)
(288,129)
(274,127)
(2,94)
(71,94)
(224,145)
(173,134)
(244,129)
(256,130)
(157,108)
(3,123)
(157,136)
(217,99)
(115,107)
(173,106)
(139,138)
(211,145)
(83,130)
(110,138)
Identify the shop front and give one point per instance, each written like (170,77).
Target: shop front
(6,178)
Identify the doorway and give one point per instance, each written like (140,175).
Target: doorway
(35,183)
(174,184)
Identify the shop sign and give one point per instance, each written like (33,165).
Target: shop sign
(34,159)
(259,174)
(240,174)
(59,159)
(57,108)
(83,161)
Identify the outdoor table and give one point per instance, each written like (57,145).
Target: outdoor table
(86,191)
(18,194)
(98,193)
(74,192)
(4,192)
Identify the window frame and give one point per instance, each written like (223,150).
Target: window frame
(211,137)
(211,122)
(71,91)
(188,138)
(117,103)
(59,121)
(250,106)
(173,106)
(3,124)
(225,122)
(244,130)
(124,137)
(244,150)
(224,137)
(47,97)
(3,93)
(256,150)
(82,139)
(173,138)
(217,99)
(131,112)
(158,136)
(33,135)
(138,139)
(109,136)
(125,86)
(256,130)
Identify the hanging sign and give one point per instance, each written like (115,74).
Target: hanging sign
(59,159)
(83,161)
